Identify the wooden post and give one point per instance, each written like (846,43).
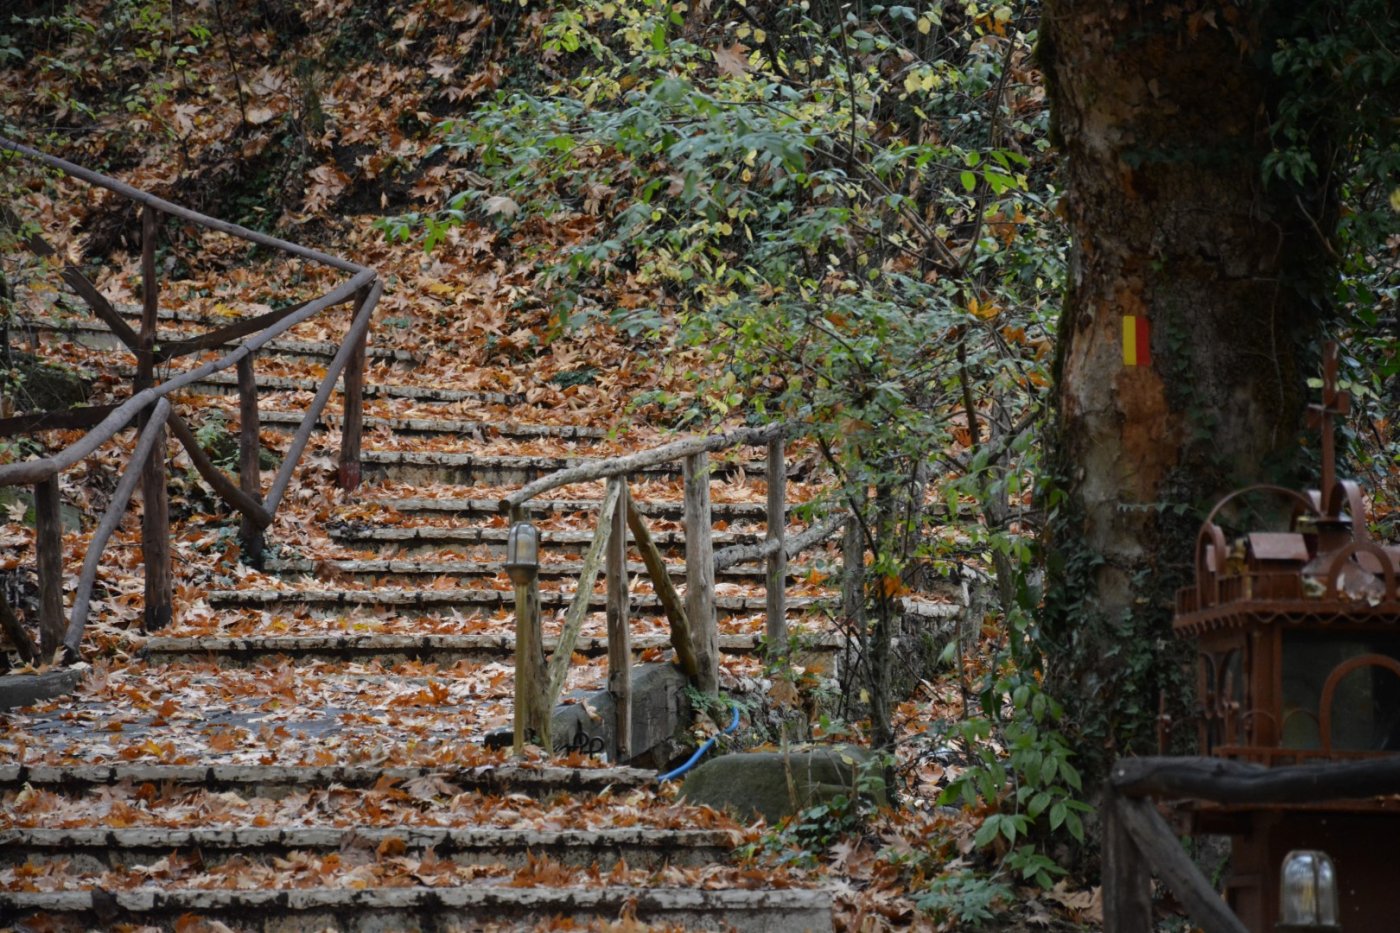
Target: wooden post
(681,639)
(700,571)
(48,545)
(352,424)
(532,708)
(1127,880)
(777,561)
(155,509)
(619,630)
(249,449)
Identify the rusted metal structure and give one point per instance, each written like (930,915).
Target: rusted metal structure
(1298,664)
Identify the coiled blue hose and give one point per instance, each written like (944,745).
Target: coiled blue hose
(700,752)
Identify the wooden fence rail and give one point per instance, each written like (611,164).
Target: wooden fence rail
(149,409)
(692,619)
(1137,841)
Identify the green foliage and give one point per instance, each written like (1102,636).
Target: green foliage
(967,898)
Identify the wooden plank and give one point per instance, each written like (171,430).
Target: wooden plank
(250,529)
(150,301)
(578,609)
(48,546)
(632,463)
(532,704)
(1159,847)
(224,335)
(682,640)
(31,471)
(82,597)
(66,419)
(1127,882)
(249,507)
(700,572)
(776,622)
(619,629)
(353,391)
(1223,781)
(184,213)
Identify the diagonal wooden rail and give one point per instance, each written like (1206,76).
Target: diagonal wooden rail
(149,409)
(693,623)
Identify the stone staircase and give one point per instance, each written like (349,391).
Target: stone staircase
(302,749)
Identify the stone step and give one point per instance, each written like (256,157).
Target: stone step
(279,780)
(97,336)
(375,910)
(463,599)
(480,430)
(490,508)
(225,382)
(818,651)
(422,467)
(404,570)
(93,848)
(560,543)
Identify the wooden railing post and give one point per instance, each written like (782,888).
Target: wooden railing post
(1127,880)
(532,706)
(352,423)
(249,452)
(619,630)
(48,545)
(777,561)
(155,510)
(700,571)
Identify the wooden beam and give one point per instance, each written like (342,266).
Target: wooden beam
(48,546)
(65,419)
(792,546)
(1159,847)
(250,529)
(682,640)
(353,392)
(776,603)
(533,708)
(619,629)
(620,466)
(700,571)
(247,505)
(1222,781)
(84,288)
(578,609)
(82,596)
(1127,882)
(215,339)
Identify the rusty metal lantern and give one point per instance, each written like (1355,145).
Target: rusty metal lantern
(1297,635)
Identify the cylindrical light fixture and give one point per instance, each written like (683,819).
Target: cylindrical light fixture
(522,552)
(1308,893)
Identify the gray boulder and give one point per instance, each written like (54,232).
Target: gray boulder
(774,785)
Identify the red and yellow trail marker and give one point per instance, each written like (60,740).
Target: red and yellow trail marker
(1137,350)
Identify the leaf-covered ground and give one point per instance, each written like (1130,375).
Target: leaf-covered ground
(227,121)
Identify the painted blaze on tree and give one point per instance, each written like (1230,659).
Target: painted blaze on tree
(1194,287)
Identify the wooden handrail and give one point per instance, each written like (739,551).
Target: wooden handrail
(184,213)
(1137,839)
(631,463)
(150,407)
(31,471)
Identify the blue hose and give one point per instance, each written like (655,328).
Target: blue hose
(700,752)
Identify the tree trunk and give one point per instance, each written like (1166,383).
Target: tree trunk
(1163,110)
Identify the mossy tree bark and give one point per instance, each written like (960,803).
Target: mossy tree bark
(1162,110)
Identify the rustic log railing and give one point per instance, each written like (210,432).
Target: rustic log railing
(693,621)
(149,410)
(1137,840)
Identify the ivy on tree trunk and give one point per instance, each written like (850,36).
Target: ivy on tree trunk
(1163,113)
